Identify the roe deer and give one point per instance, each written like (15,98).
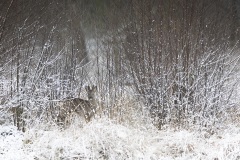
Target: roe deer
(83,108)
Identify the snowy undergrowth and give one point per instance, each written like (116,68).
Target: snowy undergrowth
(104,139)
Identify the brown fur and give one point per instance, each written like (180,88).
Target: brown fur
(83,108)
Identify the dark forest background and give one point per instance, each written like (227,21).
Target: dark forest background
(179,58)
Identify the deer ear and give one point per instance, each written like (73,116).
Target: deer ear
(95,88)
(87,88)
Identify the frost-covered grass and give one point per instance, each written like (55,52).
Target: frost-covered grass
(104,139)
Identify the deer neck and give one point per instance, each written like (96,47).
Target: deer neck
(93,102)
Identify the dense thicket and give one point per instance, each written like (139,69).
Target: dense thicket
(179,57)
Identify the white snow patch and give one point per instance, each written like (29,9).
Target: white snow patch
(103,139)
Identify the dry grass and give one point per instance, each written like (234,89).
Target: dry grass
(127,110)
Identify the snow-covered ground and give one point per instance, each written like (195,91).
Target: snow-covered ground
(104,139)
